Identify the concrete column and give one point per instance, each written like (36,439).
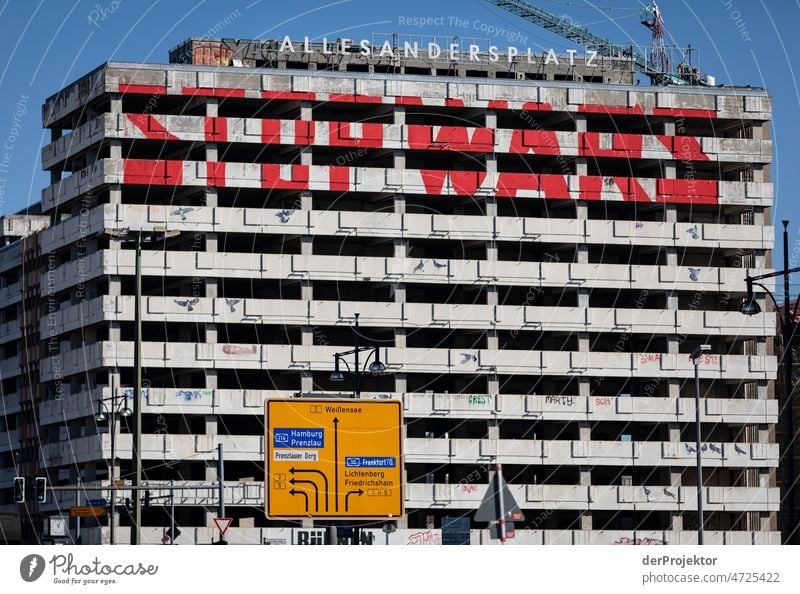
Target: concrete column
(208,287)
(584,431)
(400,114)
(115,103)
(491,118)
(581,163)
(582,257)
(675,475)
(585,481)
(306,286)
(211,428)
(115,197)
(584,387)
(115,149)
(674,388)
(400,252)
(491,291)
(493,429)
(399,160)
(491,158)
(673,341)
(585,472)
(761,131)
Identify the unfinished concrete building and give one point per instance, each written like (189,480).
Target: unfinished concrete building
(535,248)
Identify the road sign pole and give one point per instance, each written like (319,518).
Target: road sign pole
(172,516)
(113,519)
(78,521)
(501,511)
(357,369)
(221,482)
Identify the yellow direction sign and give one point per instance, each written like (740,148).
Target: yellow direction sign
(334,458)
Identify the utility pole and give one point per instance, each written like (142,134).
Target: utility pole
(695,356)
(788,391)
(78,520)
(113,415)
(136,527)
(501,509)
(221,482)
(172,515)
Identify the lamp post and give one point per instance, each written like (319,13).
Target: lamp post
(136,452)
(103,414)
(375,368)
(137,397)
(696,354)
(751,307)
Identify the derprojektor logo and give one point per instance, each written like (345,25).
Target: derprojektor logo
(31,567)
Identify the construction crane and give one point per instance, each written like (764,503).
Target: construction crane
(654,62)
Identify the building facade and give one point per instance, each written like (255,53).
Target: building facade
(535,249)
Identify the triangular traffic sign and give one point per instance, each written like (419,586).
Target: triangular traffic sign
(223,524)
(489,509)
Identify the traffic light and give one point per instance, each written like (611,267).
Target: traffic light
(19,489)
(146,499)
(41,489)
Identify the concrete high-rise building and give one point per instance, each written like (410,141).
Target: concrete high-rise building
(535,247)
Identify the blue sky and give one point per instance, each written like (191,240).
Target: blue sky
(47,43)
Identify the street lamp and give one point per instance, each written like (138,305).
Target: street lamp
(136,453)
(696,354)
(751,307)
(103,414)
(375,368)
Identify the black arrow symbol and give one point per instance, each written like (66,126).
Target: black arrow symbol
(319,472)
(303,493)
(347,498)
(316,490)
(336,461)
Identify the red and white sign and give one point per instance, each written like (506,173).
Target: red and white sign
(223,524)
